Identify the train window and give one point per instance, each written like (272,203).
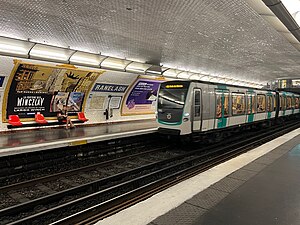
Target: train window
(261,103)
(226,104)
(219,105)
(253,104)
(288,102)
(297,103)
(250,103)
(197,97)
(238,103)
(274,103)
(293,102)
(222,96)
(172,98)
(197,104)
(282,102)
(269,103)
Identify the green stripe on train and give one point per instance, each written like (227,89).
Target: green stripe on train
(222,87)
(171,124)
(222,122)
(250,118)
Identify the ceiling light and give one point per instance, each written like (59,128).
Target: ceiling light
(293,6)
(83,58)
(183,75)
(154,69)
(137,67)
(195,77)
(40,51)
(171,73)
(13,47)
(115,63)
(205,78)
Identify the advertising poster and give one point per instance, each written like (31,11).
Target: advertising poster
(58,101)
(114,102)
(29,104)
(142,97)
(75,101)
(41,88)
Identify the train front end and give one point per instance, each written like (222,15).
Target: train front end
(172,114)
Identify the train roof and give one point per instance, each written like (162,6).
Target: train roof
(231,85)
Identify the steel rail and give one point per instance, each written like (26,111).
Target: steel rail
(185,163)
(100,211)
(33,182)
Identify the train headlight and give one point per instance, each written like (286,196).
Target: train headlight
(186,114)
(185,119)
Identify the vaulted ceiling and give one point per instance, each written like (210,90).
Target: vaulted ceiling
(220,37)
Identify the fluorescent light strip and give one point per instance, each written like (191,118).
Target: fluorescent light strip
(15,47)
(48,54)
(293,6)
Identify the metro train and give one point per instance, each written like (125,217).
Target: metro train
(190,107)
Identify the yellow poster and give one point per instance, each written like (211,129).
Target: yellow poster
(44,88)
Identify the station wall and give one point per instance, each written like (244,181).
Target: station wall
(108,96)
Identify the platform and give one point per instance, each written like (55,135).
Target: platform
(22,141)
(257,188)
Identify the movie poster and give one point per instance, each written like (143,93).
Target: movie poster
(142,97)
(45,89)
(29,104)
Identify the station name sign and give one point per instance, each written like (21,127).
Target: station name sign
(99,87)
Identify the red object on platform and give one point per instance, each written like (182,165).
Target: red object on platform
(14,120)
(82,117)
(39,118)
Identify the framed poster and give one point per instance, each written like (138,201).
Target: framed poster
(45,88)
(114,102)
(141,99)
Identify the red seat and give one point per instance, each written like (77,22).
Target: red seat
(40,119)
(82,117)
(14,120)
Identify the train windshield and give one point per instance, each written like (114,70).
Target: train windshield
(172,95)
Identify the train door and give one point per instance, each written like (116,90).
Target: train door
(222,108)
(283,104)
(293,104)
(251,106)
(269,105)
(197,115)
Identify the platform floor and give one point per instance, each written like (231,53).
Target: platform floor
(257,188)
(21,141)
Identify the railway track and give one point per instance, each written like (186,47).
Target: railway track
(121,188)
(14,169)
